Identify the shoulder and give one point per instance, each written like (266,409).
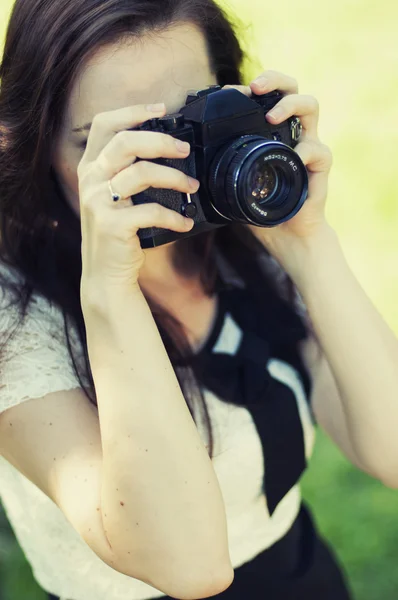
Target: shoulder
(34,354)
(37,332)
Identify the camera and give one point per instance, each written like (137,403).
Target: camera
(247,168)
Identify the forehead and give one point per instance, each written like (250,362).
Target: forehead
(159,67)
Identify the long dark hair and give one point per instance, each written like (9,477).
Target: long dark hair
(47,42)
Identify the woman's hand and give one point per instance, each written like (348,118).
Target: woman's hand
(310,222)
(111,251)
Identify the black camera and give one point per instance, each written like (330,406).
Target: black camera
(247,168)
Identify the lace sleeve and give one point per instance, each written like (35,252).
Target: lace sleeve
(34,359)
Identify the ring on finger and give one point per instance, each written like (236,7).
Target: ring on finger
(115,197)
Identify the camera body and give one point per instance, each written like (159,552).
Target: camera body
(247,168)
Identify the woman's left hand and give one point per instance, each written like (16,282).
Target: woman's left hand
(283,240)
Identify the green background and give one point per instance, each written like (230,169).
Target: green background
(346,54)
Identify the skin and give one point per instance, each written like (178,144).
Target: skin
(150,69)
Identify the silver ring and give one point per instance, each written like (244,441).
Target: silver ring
(115,197)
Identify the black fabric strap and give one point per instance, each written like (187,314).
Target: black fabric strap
(243,379)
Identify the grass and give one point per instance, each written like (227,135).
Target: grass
(344,53)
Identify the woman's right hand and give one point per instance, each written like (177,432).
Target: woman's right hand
(111,251)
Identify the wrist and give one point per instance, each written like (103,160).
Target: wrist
(312,255)
(102,298)
(104,308)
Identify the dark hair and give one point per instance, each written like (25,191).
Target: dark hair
(47,42)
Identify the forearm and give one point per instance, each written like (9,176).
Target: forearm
(361,349)
(161,499)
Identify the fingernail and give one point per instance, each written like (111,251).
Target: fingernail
(155,107)
(261,81)
(193,183)
(188,222)
(182,146)
(275,113)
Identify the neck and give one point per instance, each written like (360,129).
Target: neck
(159,278)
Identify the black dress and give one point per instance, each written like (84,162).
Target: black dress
(301,565)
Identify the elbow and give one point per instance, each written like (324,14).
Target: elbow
(189,588)
(380,465)
(224,582)
(191,573)
(389,481)
(219,584)
(387,475)
(178,579)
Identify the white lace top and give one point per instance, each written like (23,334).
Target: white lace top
(62,562)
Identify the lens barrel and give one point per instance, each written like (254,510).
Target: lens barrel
(259,181)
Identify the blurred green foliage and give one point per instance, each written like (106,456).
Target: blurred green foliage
(346,54)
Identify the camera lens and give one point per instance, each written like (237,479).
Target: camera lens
(256,180)
(262,181)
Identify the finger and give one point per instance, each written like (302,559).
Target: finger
(126,146)
(317,157)
(274,80)
(154,214)
(305,107)
(105,125)
(143,174)
(245,89)
(318,186)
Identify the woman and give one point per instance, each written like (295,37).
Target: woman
(105,473)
